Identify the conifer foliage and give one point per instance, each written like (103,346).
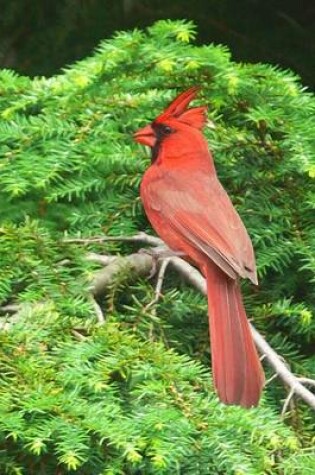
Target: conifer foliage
(134,395)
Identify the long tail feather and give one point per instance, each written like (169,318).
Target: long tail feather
(237,371)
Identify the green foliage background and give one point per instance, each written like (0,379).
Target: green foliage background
(134,396)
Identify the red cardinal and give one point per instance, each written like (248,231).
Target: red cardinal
(189,209)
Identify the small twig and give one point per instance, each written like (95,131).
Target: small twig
(160,279)
(159,283)
(64,262)
(307,381)
(287,401)
(92,240)
(268,381)
(140,237)
(78,335)
(98,311)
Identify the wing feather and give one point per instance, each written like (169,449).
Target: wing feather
(199,209)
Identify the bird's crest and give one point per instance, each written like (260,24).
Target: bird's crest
(195,116)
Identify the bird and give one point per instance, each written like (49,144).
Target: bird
(191,212)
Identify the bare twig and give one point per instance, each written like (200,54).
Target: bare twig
(287,401)
(307,381)
(78,335)
(159,283)
(194,277)
(160,279)
(268,381)
(139,237)
(98,311)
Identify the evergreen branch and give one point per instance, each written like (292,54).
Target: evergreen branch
(141,263)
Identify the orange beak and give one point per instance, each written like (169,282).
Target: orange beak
(145,136)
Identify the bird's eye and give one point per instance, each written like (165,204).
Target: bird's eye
(166,130)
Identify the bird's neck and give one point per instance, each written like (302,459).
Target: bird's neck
(188,157)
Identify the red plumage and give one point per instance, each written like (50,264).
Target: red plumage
(189,209)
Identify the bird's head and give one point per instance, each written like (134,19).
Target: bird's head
(177,129)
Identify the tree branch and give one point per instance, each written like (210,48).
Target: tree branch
(141,263)
(295,383)
(139,237)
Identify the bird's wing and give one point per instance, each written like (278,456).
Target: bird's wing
(198,208)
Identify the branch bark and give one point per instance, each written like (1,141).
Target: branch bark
(140,264)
